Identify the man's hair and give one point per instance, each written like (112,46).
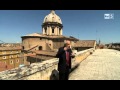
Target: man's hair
(66,44)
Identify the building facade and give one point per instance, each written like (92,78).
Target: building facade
(10,57)
(10,44)
(85,44)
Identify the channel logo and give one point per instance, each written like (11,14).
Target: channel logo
(108,16)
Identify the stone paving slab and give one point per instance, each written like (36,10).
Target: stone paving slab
(103,64)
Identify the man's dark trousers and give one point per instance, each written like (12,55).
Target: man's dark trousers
(64,76)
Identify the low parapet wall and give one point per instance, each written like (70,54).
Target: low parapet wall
(80,56)
(35,71)
(116,49)
(46,70)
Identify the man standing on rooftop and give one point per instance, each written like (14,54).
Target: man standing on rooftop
(64,54)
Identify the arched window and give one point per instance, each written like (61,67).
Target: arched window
(23,47)
(11,61)
(46,19)
(59,30)
(40,47)
(45,29)
(53,19)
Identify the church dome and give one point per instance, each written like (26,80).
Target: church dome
(52,17)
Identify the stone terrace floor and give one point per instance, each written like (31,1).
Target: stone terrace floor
(103,64)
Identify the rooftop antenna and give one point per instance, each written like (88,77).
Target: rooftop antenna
(78,35)
(96,35)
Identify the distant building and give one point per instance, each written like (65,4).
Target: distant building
(10,56)
(113,45)
(51,37)
(85,44)
(38,56)
(10,44)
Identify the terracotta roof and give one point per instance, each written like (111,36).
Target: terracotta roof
(43,35)
(49,53)
(73,38)
(4,67)
(35,34)
(85,43)
(43,57)
(60,36)
(48,36)
(10,48)
(30,54)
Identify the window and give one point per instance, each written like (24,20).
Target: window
(45,18)
(23,47)
(4,57)
(17,61)
(52,30)
(40,47)
(4,62)
(11,52)
(4,52)
(45,29)
(59,30)
(53,19)
(11,61)
(17,55)
(10,56)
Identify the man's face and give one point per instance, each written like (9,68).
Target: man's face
(68,44)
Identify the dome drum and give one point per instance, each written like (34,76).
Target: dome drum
(53,23)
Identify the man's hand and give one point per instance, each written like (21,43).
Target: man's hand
(72,55)
(65,48)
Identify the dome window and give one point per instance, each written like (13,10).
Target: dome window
(59,30)
(53,19)
(52,30)
(45,19)
(45,29)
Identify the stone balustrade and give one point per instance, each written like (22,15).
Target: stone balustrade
(46,70)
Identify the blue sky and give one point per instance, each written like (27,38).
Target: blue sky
(82,24)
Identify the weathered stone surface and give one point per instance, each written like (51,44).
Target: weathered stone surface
(27,70)
(40,71)
(103,64)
